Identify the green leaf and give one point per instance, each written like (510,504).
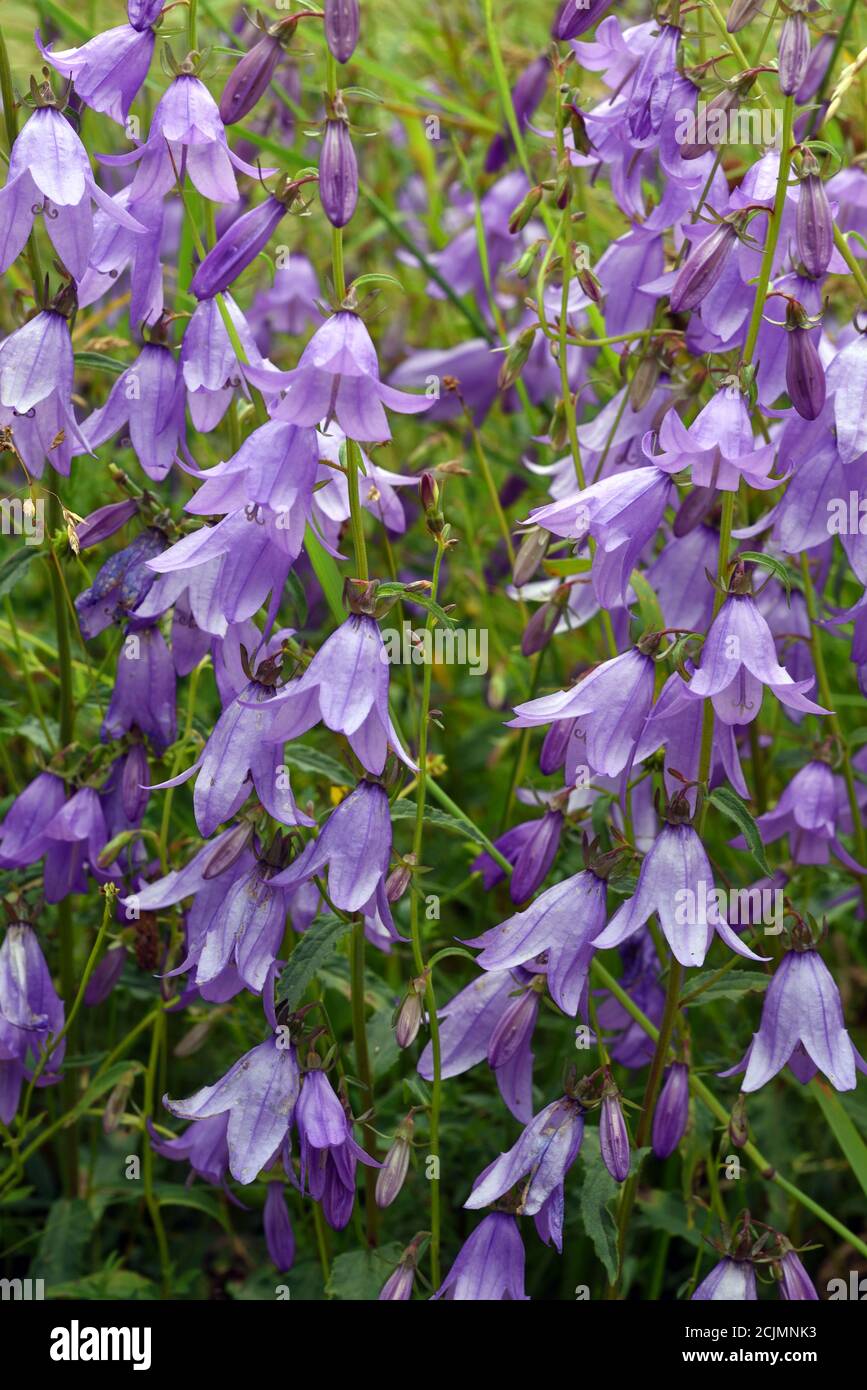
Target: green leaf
(843,1129)
(115,1284)
(374,278)
(64,1241)
(392,589)
(727,801)
(297,598)
(649,610)
(99,362)
(314,948)
(14,566)
(734,984)
(308,759)
(576,564)
(599,1192)
(100,1084)
(664,1211)
(327,573)
(405,809)
(776,567)
(359,1275)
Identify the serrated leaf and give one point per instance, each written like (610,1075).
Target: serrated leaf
(308,759)
(599,1192)
(314,948)
(405,809)
(64,1240)
(727,801)
(734,984)
(358,1275)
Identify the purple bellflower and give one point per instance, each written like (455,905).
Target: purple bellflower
(110,68)
(329,1154)
(149,395)
(30,1011)
(490,1265)
(672,1111)
(337,378)
(731,1281)
(49,172)
(36,375)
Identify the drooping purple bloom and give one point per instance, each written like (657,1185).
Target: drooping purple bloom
(30,1011)
(531,847)
(805,375)
(186,136)
(730,1281)
(490,1264)
(49,172)
(718,446)
(676,882)
(22,834)
(120,584)
(564,921)
(337,378)
(543,1155)
(259,1094)
(575,17)
(279,1236)
(672,1111)
(703,269)
(211,370)
(475,1025)
(105,977)
(203,1144)
(793,52)
(109,69)
(77,835)
(144,690)
(611,705)
(814,225)
(795,1283)
(149,395)
(328,1152)
(808,811)
(346,687)
(802,1026)
(652,86)
(847,384)
(36,376)
(115,248)
(355,844)
(738,658)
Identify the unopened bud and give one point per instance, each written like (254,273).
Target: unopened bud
(643,383)
(741,12)
(392,1175)
(525,209)
(739,1129)
(399,879)
(410,1014)
(531,553)
(116,1103)
(338,173)
(516,358)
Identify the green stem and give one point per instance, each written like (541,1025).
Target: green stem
(773,231)
(362,1061)
(151,1199)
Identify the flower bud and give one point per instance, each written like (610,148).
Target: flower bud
(515,1024)
(398,1286)
(392,1175)
(698,275)
(516,358)
(525,209)
(279,1236)
(542,626)
(816,69)
(643,383)
(558,429)
(739,1129)
(805,375)
(341,28)
(741,13)
(718,112)
(134,784)
(249,79)
(227,850)
(575,17)
(399,879)
(143,13)
(614,1137)
(531,553)
(528,259)
(104,522)
(536,857)
(105,977)
(236,248)
(672,1111)
(338,173)
(116,1103)
(795,1283)
(409,1016)
(793,53)
(554,746)
(814,224)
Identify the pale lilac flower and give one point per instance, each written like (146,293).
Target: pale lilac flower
(36,378)
(149,396)
(730,1281)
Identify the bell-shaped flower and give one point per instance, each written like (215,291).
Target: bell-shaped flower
(186,136)
(259,1094)
(718,446)
(738,658)
(492,1018)
(22,834)
(150,396)
(36,379)
(676,882)
(564,921)
(329,1153)
(355,844)
(732,1281)
(211,370)
(346,687)
(144,689)
(49,172)
(203,1145)
(110,68)
(337,378)
(610,705)
(531,847)
(802,1026)
(30,1011)
(490,1265)
(120,584)
(808,812)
